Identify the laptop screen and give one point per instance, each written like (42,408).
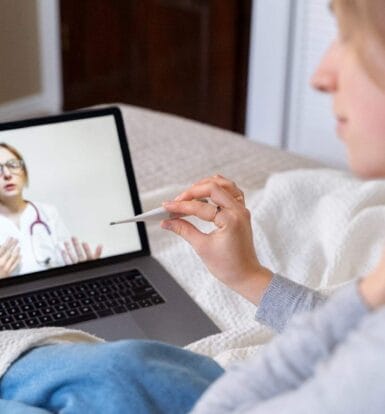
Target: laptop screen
(62,181)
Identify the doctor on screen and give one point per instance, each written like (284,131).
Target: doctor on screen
(33,237)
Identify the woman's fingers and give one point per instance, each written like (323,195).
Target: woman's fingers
(204,211)
(79,252)
(5,246)
(69,254)
(9,261)
(9,256)
(98,251)
(65,256)
(187,231)
(88,251)
(372,287)
(13,261)
(223,182)
(8,246)
(209,190)
(227,184)
(226,211)
(78,249)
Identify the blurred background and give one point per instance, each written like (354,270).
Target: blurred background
(242,65)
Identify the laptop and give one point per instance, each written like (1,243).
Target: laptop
(75,269)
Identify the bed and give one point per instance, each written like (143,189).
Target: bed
(318,226)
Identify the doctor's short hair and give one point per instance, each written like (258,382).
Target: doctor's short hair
(18,156)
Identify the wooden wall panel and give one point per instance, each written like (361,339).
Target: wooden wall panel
(187,57)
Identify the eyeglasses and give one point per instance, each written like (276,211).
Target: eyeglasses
(13,166)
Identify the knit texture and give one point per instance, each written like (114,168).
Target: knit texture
(321,228)
(15,343)
(318,227)
(284,298)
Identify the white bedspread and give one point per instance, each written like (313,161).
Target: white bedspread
(321,228)
(318,227)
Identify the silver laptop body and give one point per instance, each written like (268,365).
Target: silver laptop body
(70,141)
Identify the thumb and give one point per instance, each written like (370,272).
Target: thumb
(184,229)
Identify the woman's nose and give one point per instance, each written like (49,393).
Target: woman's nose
(6,173)
(325,77)
(323,82)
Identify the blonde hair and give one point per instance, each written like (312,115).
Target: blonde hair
(363,22)
(18,156)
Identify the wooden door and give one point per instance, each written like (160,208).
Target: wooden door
(187,57)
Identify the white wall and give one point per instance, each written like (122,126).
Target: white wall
(312,127)
(270,28)
(48,99)
(288,39)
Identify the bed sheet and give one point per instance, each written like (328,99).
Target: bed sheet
(317,226)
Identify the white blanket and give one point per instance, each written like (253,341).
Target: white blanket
(320,227)
(15,343)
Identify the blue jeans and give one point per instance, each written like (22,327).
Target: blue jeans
(120,377)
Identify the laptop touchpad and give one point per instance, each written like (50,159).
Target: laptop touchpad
(118,327)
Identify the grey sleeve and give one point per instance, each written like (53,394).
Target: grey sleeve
(282,299)
(350,381)
(289,361)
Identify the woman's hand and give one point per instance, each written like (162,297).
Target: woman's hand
(372,287)
(9,257)
(227,251)
(75,252)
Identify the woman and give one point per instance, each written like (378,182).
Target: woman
(330,360)
(33,237)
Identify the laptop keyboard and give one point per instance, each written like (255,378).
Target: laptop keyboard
(79,301)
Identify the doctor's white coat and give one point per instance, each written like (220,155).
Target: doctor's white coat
(40,244)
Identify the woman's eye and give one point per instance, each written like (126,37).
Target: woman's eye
(343,36)
(14,164)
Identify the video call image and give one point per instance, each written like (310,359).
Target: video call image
(60,187)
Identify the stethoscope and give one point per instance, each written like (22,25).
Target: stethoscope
(39,222)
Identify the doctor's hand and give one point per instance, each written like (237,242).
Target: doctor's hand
(9,257)
(228,251)
(75,252)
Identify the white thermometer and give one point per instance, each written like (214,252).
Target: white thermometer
(157,214)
